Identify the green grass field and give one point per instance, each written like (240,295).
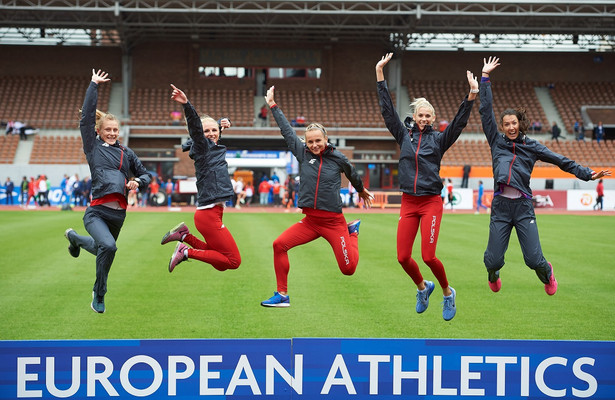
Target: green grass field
(46,294)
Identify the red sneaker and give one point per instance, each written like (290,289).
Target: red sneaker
(495,286)
(551,287)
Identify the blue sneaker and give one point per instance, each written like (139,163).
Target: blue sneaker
(449,309)
(422,297)
(353,227)
(98,303)
(277,300)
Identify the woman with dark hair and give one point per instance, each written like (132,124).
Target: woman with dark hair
(320,169)
(214,189)
(115,170)
(513,157)
(421,150)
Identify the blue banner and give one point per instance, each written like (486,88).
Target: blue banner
(307,369)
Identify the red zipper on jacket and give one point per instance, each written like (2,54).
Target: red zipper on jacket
(511,164)
(318,179)
(416,160)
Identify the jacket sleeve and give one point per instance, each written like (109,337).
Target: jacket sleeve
(139,171)
(350,172)
(564,163)
(487,116)
(454,129)
(387,109)
(294,144)
(195,128)
(87,124)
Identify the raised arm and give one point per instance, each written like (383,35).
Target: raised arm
(294,144)
(487,116)
(380,66)
(460,121)
(87,124)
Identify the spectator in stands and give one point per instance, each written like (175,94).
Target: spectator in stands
(320,166)
(513,158)
(176,117)
(555,132)
(599,196)
(115,170)
(579,131)
(300,120)
(262,115)
(23,191)
(10,125)
(214,189)
(421,151)
(9,186)
(599,132)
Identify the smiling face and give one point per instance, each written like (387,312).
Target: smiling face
(109,131)
(211,130)
(423,116)
(510,126)
(316,141)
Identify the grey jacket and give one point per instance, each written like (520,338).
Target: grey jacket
(111,166)
(513,160)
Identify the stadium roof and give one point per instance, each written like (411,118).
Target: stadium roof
(396,24)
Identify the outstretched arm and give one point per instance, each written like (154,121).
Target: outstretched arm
(487,115)
(380,66)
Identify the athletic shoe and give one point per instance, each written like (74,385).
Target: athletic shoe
(551,287)
(177,233)
(353,227)
(277,300)
(72,248)
(495,286)
(98,303)
(422,297)
(449,309)
(178,256)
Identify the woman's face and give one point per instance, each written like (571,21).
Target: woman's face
(109,131)
(510,126)
(316,141)
(423,117)
(211,130)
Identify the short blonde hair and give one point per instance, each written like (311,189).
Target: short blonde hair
(103,117)
(315,126)
(420,103)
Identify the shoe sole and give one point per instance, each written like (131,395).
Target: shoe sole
(276,305)
(172,231)
(72,250)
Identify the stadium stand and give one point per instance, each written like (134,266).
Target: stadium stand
(57,150)
(570,96)
(152,106)
(45,102)
(350,109)
(8,147)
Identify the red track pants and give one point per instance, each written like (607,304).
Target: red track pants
(219,248)
(425,211)
(335,231)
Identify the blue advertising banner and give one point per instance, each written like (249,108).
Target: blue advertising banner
(307,368)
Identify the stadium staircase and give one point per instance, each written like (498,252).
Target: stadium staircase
(546,101)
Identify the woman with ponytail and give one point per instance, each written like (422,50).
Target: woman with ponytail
(115,170)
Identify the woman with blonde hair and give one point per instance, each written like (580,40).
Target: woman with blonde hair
(115,170)
(421,150)
(320,169)
(214,189)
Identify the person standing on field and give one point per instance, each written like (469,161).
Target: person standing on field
(112,167)
(214,190)
(320,168)
(421,150)
(514,155)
